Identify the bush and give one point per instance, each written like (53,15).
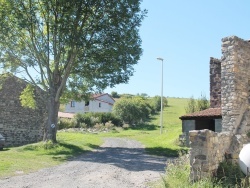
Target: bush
(132,110)
(197,105)
(65,123)
(229,174)
(91,119)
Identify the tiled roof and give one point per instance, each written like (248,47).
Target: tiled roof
(65,115)
(95,96)
(210,112)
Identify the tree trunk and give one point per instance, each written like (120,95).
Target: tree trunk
(51,128)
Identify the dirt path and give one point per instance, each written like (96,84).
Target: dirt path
(118,163)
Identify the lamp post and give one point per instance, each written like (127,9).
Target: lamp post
(161,118)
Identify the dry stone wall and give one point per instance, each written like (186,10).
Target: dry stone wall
(209,148)
(19,125)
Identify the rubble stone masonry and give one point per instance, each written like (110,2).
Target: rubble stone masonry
(19,125)
(209,148)
(215,83)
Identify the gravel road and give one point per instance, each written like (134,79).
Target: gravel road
(118,162)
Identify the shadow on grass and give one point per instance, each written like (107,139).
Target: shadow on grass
(60,151)
(142,126)
(4,149)
(167,152)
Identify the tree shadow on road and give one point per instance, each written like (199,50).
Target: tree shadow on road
(131,159)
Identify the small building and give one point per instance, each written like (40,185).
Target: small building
(97,103)
(210,118)
(20,125)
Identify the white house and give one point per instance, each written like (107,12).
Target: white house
(98,103)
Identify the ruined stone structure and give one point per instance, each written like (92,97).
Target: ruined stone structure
(215,83)
(229,92)
(19,125)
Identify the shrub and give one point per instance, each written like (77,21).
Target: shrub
(132,110)
(178,170)
(197,105)
(229,174)
(91,119)
(65,123)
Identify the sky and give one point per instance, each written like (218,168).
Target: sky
(185,34)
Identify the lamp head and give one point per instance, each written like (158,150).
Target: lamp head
(159,58)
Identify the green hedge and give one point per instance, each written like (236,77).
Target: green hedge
(87,120)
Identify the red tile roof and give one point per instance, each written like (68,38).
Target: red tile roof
(210,112)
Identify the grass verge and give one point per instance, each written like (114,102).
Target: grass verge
(24,159)
(28,158)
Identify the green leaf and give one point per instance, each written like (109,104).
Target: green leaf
(27,97)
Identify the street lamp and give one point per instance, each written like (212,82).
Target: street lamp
(161,120)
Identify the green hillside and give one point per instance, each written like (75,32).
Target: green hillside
(149,133)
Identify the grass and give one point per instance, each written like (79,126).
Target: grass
(177,176)
(17,160)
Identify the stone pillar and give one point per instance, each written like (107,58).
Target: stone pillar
(207,151)
(215,83)
(234,82)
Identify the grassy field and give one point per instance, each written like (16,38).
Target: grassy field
(16,160)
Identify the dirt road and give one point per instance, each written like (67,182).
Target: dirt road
(118,163)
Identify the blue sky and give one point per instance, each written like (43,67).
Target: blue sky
(185,34)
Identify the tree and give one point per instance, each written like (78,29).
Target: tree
(70,48)
(191,106)
(132,110)
(114,94)
(202,103)
(197,105)
(155,103)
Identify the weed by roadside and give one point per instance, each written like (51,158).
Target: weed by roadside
(178,170)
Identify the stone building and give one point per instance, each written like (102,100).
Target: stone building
(230,95)
(210,118)
(19,125)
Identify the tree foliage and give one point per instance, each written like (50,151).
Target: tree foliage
(70,48)
(136,109)
(132,110)
(27,97)
(155,103)
(114,94)
(197,105)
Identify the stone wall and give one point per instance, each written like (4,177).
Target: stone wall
(235,76)
(215,83)
(19,125)
(209,149)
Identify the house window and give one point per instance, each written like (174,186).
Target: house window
(72,104)
(87,103)
(100,105)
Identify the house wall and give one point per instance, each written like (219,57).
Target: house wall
(187,125)
(79,107)
(19,125)
(218,125)
(215,83)
(92,107)
(106,98)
